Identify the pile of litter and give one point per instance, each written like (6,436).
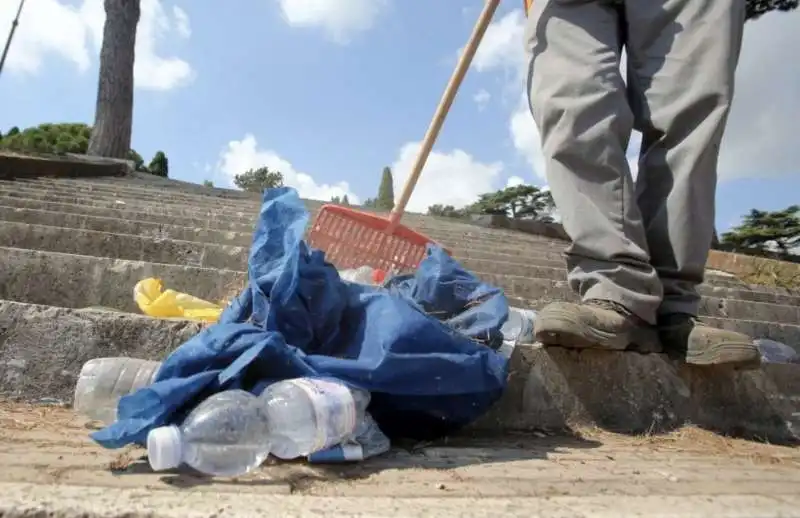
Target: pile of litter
(423,353)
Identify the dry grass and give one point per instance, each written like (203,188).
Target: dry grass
(26,416)
(697,440)
(124,459)
(768,272)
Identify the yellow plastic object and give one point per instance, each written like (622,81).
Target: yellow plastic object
(154,302)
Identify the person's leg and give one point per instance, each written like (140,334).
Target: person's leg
(682,55)
(578,100)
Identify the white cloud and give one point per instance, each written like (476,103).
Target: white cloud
(150,70)
(481,98)
(181,22)
(241,155)
(761,138)
(502,44)
(45,27)
(525,137)
(339,19)
(455,178)
(53,28)
(514,181)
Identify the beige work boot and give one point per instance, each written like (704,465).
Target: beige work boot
(595,324)
(686,338)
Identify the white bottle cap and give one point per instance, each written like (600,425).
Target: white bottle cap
(164,448)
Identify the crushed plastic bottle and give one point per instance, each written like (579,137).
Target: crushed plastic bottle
(773,351)
(367,441)
(233,432)
(519,326)
(103,381)
(516,330)
(363,275)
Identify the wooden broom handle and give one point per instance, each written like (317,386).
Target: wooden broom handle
(441,111)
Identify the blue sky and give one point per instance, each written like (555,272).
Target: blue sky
(331,91)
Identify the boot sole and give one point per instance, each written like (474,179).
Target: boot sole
(738,355)
(562,329)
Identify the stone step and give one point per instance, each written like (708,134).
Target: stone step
(236,212)
(517,262)
(206,255)
(45,347)
(130,187)
(157,197)
(724,308)
(122,246)
(146,182)
(154,208)
(213,236)
(80,281)
(513,242)
(124,226)
(530,289)
(123,213)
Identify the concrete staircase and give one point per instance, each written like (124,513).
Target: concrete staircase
(68,244)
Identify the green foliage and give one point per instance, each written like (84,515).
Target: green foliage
(385,200)
(520,201)
(159,165)
(49,138)
(208,183)
(138,161)
(370,203)
(257,180)
(756,8)
(62,138)
(343,200)
(446,211)
(760,229)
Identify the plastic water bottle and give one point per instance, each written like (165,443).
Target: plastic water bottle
(233,432)
(103,381)
(312,414)
(519,326)
(773,351)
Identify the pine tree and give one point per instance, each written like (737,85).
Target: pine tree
(159,166)
(385,200)
(760,229)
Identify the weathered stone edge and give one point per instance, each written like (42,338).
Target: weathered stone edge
(42,349)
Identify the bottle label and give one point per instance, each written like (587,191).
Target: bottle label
(334,409)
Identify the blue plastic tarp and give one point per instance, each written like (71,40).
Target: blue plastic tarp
(423,345)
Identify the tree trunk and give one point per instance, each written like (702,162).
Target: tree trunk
(113,120)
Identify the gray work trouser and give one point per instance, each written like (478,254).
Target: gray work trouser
(644,244)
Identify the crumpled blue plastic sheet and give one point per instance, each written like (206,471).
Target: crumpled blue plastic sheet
(424,345)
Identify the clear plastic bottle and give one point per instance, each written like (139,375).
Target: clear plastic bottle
(103,381)
(519,326)
(773,351)
(233,432)
(312,414)
(225,435)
